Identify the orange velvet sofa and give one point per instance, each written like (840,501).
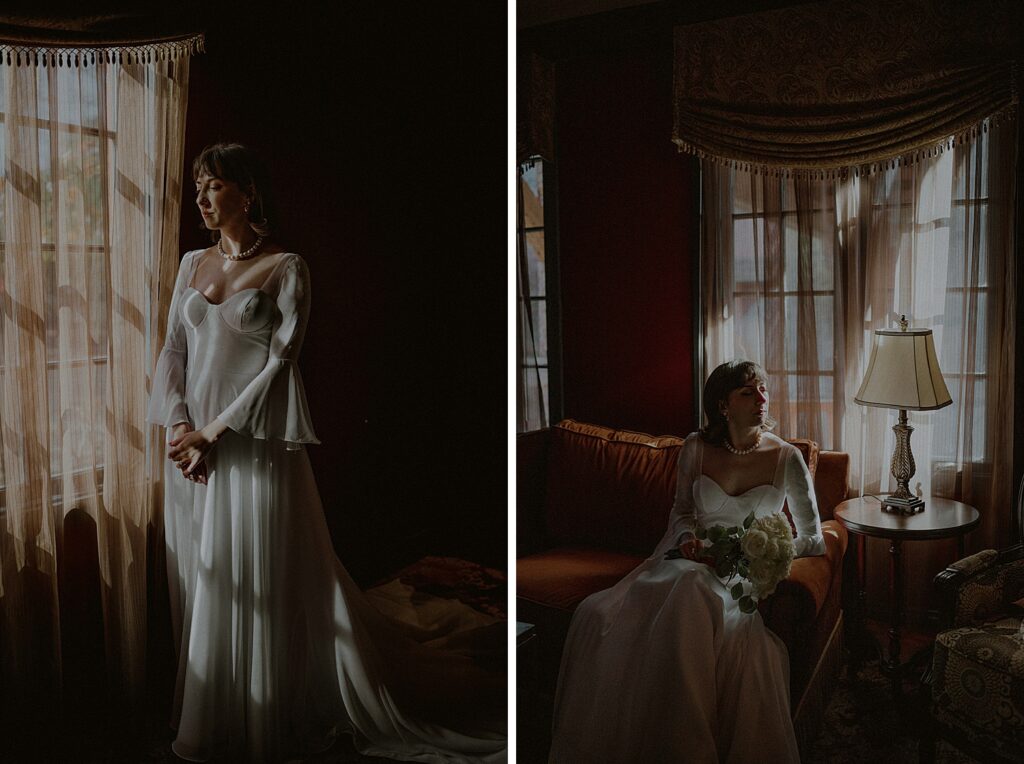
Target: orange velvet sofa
(593,502)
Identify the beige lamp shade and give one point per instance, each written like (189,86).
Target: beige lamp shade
(903,372)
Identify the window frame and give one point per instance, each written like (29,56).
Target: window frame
(552,287)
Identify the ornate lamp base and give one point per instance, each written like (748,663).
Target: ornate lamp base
(902,501)
(903,506)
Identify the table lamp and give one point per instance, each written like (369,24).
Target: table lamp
(903,374)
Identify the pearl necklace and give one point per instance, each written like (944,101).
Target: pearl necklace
(742,451)
(239,255)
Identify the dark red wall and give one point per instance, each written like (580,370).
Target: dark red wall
(627,215)
(384,125)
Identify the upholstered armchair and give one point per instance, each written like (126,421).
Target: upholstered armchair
(977,675)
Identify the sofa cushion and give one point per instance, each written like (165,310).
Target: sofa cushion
(609,489)
(564,577)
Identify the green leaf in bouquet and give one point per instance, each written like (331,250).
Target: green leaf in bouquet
(743,568)
(715,533)
(722,568)
(737,591)
(701,532)
(747,604)
(734,531)
(748,521)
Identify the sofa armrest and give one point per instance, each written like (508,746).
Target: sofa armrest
(531,486)
(799,598)
(980,586)
(831,482)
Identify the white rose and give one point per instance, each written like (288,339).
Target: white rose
(779,526)
(760,571)
(754,543)
(771,549)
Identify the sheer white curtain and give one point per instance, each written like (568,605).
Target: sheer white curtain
(799,272)
(89,210)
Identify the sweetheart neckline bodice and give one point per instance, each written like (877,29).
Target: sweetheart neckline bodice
(226,299)
(737,495)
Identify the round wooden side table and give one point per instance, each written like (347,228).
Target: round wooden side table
(863,517)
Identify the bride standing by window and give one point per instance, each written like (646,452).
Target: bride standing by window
(664,666)
(278,651)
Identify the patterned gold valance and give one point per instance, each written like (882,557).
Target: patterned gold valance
(832,85)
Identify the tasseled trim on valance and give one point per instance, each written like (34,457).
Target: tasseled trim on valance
(965,136)
(12,54)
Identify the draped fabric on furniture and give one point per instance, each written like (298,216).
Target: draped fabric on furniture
(91,143)
(833,85)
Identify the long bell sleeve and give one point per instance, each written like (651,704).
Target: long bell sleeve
(683,518)
(167,404)
(273,404)
(803,507)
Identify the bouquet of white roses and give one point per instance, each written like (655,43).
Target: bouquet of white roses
(761,552)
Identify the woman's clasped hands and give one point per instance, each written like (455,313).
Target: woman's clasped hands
(189,448)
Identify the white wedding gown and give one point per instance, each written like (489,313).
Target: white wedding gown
(663,666)
(278,650)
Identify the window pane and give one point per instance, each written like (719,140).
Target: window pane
(51,307)
(746,192)
(98,317)
(43,92)
(823,327)
(532,183)
(823,249)
(748,241)
(790,250)
(824,410)
(968,255)
(536,398)
(791,332)
(788,190)
(535,262)
(971,173)
(979,334)
(978,427)
(540,329)
(95,205)
(46,185)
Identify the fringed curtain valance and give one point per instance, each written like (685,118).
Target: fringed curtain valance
(123,34)
(17,54)
(836,85)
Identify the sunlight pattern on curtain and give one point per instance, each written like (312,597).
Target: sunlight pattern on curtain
(798,273)
(89,209)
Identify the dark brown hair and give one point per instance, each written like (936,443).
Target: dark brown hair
(241,165)
(722,381)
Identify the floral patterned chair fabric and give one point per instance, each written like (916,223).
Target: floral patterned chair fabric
(977,676)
